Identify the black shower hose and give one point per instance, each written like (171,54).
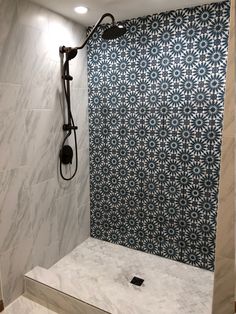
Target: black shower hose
(70,122)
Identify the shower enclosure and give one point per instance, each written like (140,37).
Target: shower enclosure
(155,110)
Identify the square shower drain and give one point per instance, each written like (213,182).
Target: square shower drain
(137,281)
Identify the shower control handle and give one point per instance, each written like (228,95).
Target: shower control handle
(67,77)
(69,127)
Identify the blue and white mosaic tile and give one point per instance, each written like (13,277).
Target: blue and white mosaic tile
(156,99)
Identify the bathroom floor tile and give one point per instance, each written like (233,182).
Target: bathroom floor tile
(23,305)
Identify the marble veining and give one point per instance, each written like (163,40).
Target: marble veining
(56,300)
(14,208)
(34,202)
(99,273)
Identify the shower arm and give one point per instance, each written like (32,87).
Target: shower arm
(64,49)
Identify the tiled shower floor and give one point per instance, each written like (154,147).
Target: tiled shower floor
(25,306)
(100,274)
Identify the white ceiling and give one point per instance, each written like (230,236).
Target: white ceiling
(122,9)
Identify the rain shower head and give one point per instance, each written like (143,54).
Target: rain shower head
(113,32)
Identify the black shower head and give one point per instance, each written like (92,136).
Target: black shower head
(71,54)
(114,32)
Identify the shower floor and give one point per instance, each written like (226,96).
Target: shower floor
(99,273)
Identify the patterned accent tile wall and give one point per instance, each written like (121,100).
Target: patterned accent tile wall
(156,106)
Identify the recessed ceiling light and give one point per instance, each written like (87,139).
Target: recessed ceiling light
(81,10)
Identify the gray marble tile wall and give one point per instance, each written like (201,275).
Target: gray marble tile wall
(42,218)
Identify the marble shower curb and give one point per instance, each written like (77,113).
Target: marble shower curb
(44,287)
(95,278)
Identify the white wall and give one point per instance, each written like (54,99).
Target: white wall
(41,217)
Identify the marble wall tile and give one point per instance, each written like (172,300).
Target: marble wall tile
(43,214)
(8,97)
(46,256)
(83,141)
(14,263)
(83,191)
(19,60)
(79,98)
(73,221)
(61,32)
(41,146)
(12,140)
(30,14)
(65,187)
(31,121)
(79,72)
(83,167)
(83,232)
(83,164)
(41,91)
(14,208)
(66,207)
(7,14)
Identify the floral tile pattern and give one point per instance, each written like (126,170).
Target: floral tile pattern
(156,99)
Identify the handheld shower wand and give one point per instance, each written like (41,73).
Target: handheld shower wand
(66,152)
